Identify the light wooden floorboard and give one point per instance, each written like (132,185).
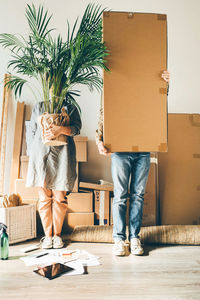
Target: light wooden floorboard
(164,272)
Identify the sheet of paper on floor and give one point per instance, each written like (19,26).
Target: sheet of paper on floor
(61,256)
(78,268)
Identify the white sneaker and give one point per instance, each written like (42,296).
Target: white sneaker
(46,242)
(57,242)
(119,248)
(136,247)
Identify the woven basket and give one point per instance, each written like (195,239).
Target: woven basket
(46,120)
(21,222)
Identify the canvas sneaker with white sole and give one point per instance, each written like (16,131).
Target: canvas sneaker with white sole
(119,248)
(135,247)
(57,242)
(46,242)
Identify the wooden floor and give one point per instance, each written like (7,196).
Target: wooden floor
(167,272)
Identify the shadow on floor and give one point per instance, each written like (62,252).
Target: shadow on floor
(149,248)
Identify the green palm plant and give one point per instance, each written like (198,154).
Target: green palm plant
(58,65)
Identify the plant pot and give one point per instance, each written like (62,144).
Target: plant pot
(46,120)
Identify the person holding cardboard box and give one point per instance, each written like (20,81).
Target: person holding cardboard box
(52,169)
(127,167)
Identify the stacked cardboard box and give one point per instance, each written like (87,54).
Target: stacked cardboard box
(80,210)
(80,205)
(102,195)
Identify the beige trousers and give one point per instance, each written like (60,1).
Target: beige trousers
(52,209)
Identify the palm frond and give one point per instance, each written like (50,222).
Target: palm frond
(16,84)
(89,79)
(38,21)
(11,41)
(87,57)
(91,23)
(70,37)
(70,97)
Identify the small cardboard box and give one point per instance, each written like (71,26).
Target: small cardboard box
(135,95)
(80,202)
(81,148)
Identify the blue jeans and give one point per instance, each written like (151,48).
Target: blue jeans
(129,168)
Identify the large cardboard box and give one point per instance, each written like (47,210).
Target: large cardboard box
(179,171)
(135,96)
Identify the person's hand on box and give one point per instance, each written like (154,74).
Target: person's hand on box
(102,149)
(166,76)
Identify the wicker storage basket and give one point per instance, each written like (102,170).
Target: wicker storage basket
(21,222)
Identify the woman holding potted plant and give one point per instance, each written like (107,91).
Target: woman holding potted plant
(58,66)
(53,170)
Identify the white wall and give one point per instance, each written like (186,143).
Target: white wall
(183,61)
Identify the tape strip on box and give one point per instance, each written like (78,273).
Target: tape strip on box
(163,147)
(135,149)
(106,14)
(130,15)
(163,91)
(161,17)
(195,120)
